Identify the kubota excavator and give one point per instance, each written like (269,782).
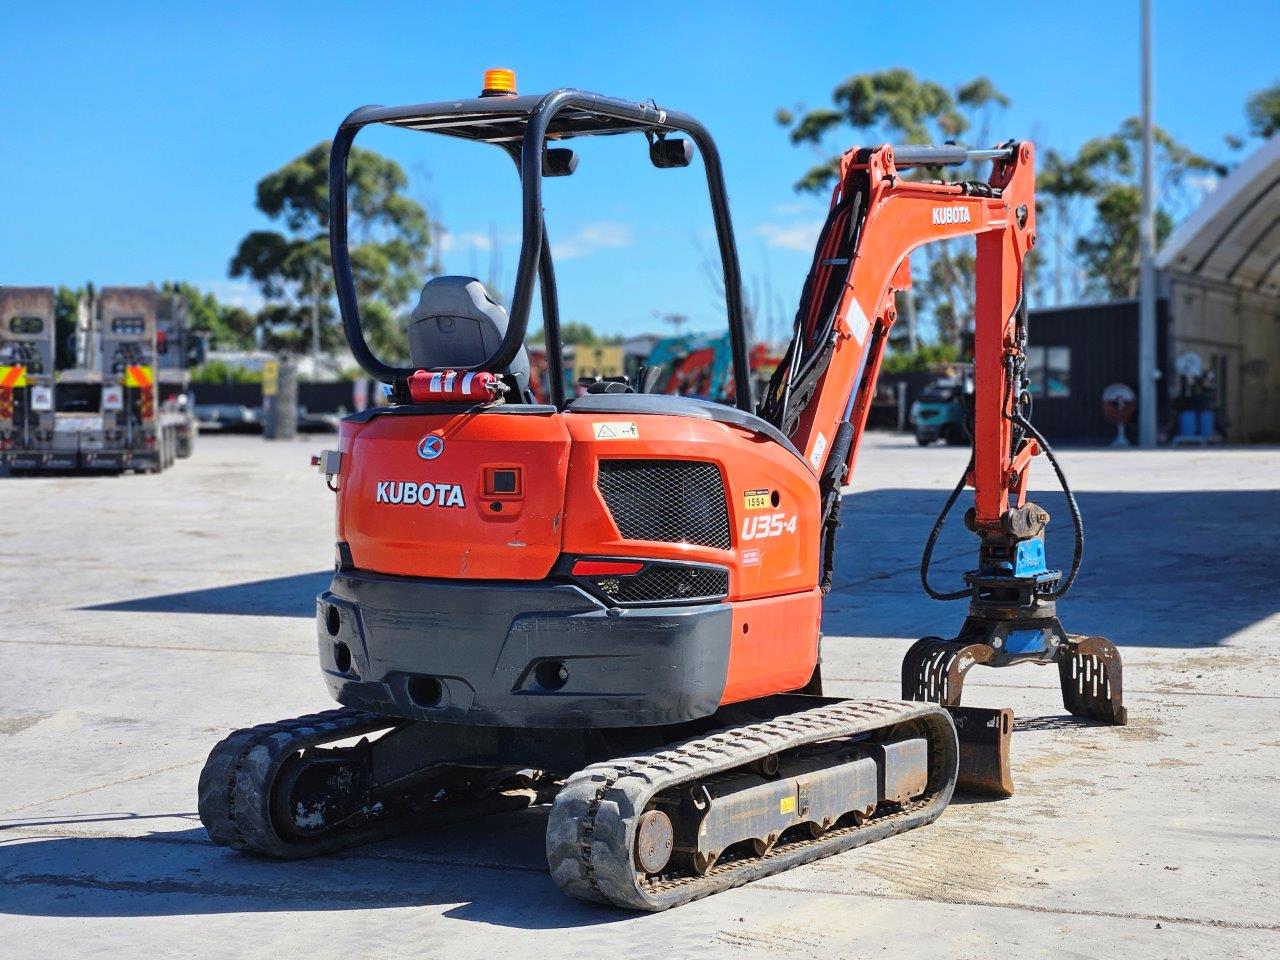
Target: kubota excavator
(612,603)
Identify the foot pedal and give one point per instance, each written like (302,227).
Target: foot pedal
(985,736)
(1090,672)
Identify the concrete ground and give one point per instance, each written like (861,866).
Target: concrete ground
(146,616)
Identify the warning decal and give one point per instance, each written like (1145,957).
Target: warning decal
(819,448)
(857,320)
(14,376)
(137,376)
(616,430)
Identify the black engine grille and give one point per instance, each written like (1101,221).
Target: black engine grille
(674,501)
(666,583)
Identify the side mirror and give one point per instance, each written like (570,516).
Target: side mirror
(195,350)
(558,162)
(666,154)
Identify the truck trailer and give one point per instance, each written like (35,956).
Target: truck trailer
(125,405)
(145,419)
(27,360)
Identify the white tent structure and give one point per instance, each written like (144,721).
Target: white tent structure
(1221,274)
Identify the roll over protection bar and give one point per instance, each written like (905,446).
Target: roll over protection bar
(526,121)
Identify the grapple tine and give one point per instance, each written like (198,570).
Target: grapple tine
(1092,680)
(933,669)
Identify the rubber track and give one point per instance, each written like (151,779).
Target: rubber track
(235,794)
(591,830)
(235,789)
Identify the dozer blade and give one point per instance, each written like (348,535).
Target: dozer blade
(660,829)
(984,736)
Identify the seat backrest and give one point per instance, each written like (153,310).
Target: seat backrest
(457,324)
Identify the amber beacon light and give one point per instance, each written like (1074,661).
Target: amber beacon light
(499,82)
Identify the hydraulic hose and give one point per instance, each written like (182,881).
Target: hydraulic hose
(933,541)
(1023,424)
(1077,523)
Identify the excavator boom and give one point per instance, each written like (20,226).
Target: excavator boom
(878,217)
(821,394)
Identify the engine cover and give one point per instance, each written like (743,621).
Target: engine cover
(454,494)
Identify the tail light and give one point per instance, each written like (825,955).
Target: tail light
(626,582)
(606,568)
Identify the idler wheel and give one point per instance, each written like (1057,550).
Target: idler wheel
(655,840)
(314,793)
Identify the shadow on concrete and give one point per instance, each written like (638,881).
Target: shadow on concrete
(24,823)
(276,597)
(493,872)
(1063,721)
(1180,569)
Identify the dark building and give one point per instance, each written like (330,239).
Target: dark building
(1074,354)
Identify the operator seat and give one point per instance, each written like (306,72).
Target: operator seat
(456,324)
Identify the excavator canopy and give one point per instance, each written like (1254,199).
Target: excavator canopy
(529,129)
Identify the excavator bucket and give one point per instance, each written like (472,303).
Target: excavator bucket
(984,736)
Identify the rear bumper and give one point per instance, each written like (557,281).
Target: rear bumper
(494,651)
(103,459)
(20,459)
(84,459)
(39,459)
(60,460)
(119,459)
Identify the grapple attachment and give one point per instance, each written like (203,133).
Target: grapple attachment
(934,669)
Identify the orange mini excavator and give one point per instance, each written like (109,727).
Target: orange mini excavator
(612,604)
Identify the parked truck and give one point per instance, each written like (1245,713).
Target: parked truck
(944,407)
(126,403)
(146,419)
(27,360)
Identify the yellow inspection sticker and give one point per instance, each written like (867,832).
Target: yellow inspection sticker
(755,499)
(788,804)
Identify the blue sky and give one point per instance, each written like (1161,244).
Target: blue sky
(133,133)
